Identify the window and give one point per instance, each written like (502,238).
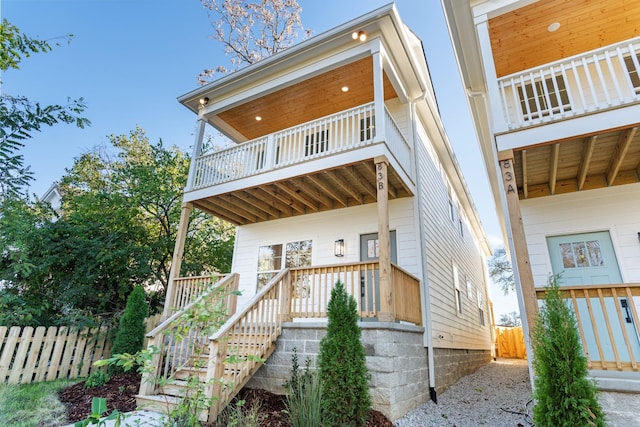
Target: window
(367,128)
(632,69)
(269,263)
(469,289)
(297,254)
(544,97)
(316,143)
(457,293)
(461,227)
(452,211)
(481,308)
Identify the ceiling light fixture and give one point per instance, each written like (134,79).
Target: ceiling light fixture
(345,88)
(258,118)
(204,101)
(553,27)
(359,35)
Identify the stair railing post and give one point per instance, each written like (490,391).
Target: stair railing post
(284,292)
(149,379)
(215,376)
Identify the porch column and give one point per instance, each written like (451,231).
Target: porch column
(378,95)
(176,261)
(518,243)
(197,149)
(387,305)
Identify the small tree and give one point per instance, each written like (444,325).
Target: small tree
(343,371)
(130,336)
(563,394)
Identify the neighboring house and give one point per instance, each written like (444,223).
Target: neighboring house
(53,197)
(341,170)
(554,91)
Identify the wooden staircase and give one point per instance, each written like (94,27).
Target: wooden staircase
(218,365)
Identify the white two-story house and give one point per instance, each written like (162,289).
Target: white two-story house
(340,170)
(554,93)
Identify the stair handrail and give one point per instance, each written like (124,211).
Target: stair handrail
(279,290)
(149,379)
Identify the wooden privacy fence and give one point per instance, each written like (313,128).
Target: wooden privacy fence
(510,342)
(43,353)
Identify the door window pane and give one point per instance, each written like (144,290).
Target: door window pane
(582,254)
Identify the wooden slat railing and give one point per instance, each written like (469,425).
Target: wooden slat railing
(609,332)
(187,289)
(406,290)
(175,347)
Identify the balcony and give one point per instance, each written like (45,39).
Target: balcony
(594,81)
(316,166)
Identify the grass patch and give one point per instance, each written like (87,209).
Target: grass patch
(31,405)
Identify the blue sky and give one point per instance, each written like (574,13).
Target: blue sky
(131,59)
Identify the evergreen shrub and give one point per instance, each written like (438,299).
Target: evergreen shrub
(343,371)
(564,395)
(130,335)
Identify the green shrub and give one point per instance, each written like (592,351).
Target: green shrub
(343,371)
(563,394)
(130,335)
(97,379)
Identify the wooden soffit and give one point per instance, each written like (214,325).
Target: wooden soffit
(587,162)
(520,39)
(307,100)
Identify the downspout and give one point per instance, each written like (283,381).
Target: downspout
(420,223)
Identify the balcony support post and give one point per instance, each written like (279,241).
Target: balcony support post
(197,151)
(378,97)
(176,262)
(387,305)
(518,245)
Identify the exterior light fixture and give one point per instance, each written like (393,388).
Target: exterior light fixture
(553,27)
(338,248)
(258,118)
(359,35)
(204,101)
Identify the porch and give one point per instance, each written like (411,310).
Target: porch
(225,360)
(607,318)
(323,164)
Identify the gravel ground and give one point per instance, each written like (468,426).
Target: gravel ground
(497,395)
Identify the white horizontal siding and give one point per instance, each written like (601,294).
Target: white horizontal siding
(324,229)
(613,209)
(445,247)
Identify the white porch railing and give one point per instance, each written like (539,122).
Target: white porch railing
(324,137)
(596,80)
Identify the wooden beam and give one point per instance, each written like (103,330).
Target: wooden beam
(309,188)
(328,190)
(587,154)
(344,187)
(268,198)
(387,306)
(247,197)
(393,192)
(519,243)
(624,142)
(218,209)
(176,261)
(277,193)
(525,178)
(553,172)
(366,186)
(299,196)
(240,205)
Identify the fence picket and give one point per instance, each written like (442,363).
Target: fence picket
(34,354)
(7,354)
(21,352)
(49,343)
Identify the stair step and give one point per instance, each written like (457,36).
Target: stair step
(163,404)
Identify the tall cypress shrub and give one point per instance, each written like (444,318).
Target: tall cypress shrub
(130,335)
(564,395)
(343,371)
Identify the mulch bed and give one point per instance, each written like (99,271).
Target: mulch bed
(121,389)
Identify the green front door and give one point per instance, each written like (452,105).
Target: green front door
(589,259)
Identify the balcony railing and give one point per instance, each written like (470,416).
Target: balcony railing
(324,137)
(608,323)
(601,79)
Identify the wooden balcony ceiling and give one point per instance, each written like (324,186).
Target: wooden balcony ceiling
(588,162)
(307,100)
(520,39)
(348,185)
